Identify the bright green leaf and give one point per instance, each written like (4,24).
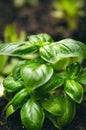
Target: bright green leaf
(69,109)
(32,115)
(48,54)
(35,74)
(12,85)
(73,69)
(40,39)
(55,81)
(82,76)
(20,98)
(69,48)
(10,110)
(62,49)
(53,105)
(17,49)
(74,90)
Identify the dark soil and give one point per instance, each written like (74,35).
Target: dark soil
(37,20)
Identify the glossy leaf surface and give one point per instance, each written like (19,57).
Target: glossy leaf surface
(69,48)
(69,109)
(74,90)
(73,70)
(48,53)
(17,49)
(40,39)
(82,76)
(16,70)
(63,49)
(53,105)
(20,98)
(32,115)
(35,75)
(55,81)
(12,85)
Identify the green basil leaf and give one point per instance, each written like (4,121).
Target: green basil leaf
(32,115)
(73,69)
(69,110)
(40,39)
(12,85)
(16,70)
(55,81)
(69,48)
(74,90)
(35,75)
(82,76)
(53,105)
(62,49)
(16,102)
(48,54)
(20,98)
(61,63)
(10,110)
(17,49)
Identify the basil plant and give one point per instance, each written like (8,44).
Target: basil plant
(48,85)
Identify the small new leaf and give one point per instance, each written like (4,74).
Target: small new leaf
(40,39)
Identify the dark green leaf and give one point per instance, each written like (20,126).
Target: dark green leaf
(74,90)
(16,102)
(35,75)
(53,105)
(32,115)
(55,81)
(73,69)
(69,109)
(20,98)
(17,49)
(16,70)
(82,76)
(12,85)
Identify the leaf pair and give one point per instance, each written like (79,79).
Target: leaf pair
(76,75)
(62,49)
(60,110)
(47,49)
(16,102)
